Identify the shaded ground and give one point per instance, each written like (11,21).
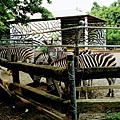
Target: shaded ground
(14,109)
(17,110)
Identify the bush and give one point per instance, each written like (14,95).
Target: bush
(112,116)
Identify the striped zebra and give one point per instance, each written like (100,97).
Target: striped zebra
(23,54)
(42,59)
(15,54)
(55,52)
(2,56)
(90,52)
(92,60)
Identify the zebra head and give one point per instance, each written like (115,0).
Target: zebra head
(42,59)
(53,51)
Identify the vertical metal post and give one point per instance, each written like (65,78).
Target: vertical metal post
(76,51)
(71,76)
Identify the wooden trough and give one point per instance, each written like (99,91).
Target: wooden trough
(57,103)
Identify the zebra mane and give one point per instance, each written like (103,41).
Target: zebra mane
(45,42)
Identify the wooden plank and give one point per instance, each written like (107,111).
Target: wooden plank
(98,72)
(43,110)
(96,105)
(7,72)
(83,105)
(61,73)
(42,70)
(97,87)
(57,88)
(40,96)
(33,93)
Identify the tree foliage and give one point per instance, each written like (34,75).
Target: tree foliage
(18,10)
(112,15)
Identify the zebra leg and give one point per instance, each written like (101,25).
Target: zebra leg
(111,81)
(50,83)
(85,91)
(90,91)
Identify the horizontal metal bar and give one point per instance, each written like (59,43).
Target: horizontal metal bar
(98,27)
(73,46)
(99,46)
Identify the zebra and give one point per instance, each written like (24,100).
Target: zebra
(40,59)
(55,52)
(87,59)
(2,56)
(14,54)
(47,58)
(88,51)
(21,53)
(92,60)
(98,60)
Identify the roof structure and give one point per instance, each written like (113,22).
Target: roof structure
(75,15)
(68,15)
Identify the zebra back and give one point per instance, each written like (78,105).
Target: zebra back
(86,60)
(62,62)
(97,60)
(3,48)
(86,52)
(105,59)
(21,54)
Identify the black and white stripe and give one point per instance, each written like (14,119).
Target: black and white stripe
(90,52)
(55,52)
(42,59)
(23,54)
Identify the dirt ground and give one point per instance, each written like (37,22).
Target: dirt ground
(14,109)
(10,112)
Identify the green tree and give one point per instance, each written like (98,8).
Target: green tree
(112,15)
(18,9)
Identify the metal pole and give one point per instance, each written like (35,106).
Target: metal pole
(71,76)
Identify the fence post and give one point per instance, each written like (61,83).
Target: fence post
(71,76)
(15,72)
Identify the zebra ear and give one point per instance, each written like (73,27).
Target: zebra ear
(49,60)
(45,42)
(52,41)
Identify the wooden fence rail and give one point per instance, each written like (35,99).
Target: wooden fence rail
(61,73)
